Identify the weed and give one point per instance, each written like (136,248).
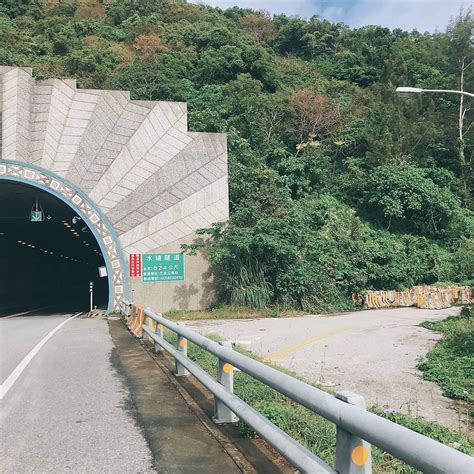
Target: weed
(451,362)
(230,312)
(249,287)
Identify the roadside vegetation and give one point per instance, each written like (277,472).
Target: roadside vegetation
(337,185)
(451,363)
(230,312)
(311,430)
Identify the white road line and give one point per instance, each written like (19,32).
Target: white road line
(13,377)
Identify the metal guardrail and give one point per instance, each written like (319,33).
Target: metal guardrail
(356,427)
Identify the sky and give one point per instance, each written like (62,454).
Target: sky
(423,15)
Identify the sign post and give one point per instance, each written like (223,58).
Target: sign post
(91,294)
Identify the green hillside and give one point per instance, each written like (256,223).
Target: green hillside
(337,185)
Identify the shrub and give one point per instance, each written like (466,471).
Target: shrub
(405,197)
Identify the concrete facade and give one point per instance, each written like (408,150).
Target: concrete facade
(131,166)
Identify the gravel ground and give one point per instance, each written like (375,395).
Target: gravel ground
(373,353)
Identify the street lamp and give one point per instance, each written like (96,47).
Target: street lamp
(417,90)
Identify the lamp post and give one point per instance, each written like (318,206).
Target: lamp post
(464,165)
(417,90)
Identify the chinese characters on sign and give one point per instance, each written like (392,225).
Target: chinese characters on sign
(162,267)
(135,265)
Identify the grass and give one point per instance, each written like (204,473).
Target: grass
(451,362)
(229,312)
(313,431)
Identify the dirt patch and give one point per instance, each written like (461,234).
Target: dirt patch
(373,353)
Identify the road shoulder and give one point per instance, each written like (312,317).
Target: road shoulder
(177,438)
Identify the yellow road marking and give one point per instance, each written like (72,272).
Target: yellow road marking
(285,351)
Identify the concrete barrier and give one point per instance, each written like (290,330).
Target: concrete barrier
(422,296)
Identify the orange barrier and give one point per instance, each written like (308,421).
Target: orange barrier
(135,320)
(428,297)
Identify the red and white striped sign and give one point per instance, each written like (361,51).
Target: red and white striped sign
(135,265)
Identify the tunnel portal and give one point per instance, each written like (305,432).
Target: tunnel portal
(131,169)
(48,255)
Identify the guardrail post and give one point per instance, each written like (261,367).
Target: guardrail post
(183,348)
(151,324)
(353,454)
(225,376)
(159,332)
(125,309)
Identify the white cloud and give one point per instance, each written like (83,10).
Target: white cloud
(423,15)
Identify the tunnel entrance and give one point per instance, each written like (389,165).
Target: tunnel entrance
(48,253)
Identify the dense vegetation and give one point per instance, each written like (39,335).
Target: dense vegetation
(451,362)
(336,184)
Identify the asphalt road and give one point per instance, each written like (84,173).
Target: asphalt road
(65,410)
(373,353)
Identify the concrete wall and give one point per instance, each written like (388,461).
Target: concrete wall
(196,291)
(155,181)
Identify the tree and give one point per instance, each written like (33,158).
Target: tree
(149,45)
(91,9)
(460,32)
(14,8)
(259,26)
(314,115)
(408,198)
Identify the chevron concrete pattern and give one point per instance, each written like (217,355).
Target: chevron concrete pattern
(146,178)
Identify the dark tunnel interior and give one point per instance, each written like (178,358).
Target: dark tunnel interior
(48,254)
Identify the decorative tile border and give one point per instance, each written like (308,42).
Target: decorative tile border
(84,209)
